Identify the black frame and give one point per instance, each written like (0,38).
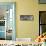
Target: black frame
(41,2)
(39,21)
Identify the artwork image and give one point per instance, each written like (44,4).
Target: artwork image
(26,17)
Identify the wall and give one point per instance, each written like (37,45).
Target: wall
(28,29)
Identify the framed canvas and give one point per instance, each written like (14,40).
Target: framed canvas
(42,22)
(26,17)
(42,1)
(7,20)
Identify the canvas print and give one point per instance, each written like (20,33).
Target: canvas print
(42,1)
(7,28)
(26,17)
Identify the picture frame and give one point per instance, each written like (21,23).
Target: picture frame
(26,17)
(7,13)
(42,1)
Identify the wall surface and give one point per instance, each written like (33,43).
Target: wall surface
(27,29)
